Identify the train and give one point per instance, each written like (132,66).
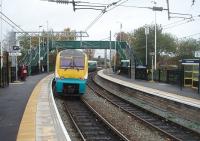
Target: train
(71,73)
(92,65)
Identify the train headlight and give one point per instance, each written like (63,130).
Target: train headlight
(81,78)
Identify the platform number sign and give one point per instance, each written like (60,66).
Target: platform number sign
(197,54)
(16,48)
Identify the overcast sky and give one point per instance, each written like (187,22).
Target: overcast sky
(29,14)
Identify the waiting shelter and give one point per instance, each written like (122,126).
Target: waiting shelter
(191,72)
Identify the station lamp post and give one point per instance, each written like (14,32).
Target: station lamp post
(155,40)
(1,67)
(155,48)
(152,54)
(48,47)
(110,45)
(146,34)
(1,55)
(120,35)
(39,50)
(30,57)
(120,39)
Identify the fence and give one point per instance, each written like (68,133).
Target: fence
(4,77)
(174,76)
(4,71)
(141,73)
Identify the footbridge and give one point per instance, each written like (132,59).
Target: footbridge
(89,45)
(31,58)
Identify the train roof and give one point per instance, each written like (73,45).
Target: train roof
(72,52)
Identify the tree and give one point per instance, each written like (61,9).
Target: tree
(24,39)
(116,59)
(68,34)
(139,42)
(90,53)
(186,48)
(169,49)
(166,43)
(166,49)
(122,36)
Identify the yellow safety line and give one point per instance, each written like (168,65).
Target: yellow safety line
(27,129)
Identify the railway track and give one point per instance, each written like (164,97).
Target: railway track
(172,130)
(90,125)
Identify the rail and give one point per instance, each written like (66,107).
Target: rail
(90,125)
(170,129)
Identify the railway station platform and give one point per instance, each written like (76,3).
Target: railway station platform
(27,111)
(186,95)
(168,101)
(13,100)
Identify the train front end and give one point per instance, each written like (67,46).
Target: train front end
(71,73)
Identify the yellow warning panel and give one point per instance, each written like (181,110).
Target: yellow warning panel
(27,129)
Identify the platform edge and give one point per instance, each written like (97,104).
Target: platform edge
(63,135)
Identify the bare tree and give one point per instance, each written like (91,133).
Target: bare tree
(90,53)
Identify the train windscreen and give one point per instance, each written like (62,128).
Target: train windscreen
(72,62)
(66,62)
(79,62)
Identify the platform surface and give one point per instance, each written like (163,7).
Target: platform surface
(13,100)
(173,92)
(41,120)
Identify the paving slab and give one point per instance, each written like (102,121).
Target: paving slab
(13,100)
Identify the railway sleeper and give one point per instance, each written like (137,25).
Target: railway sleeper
(85,120)
(133,111)
(84,114)
(167,127)
(142,115)
(91,128)
(94,132)
(92,138)
(86,124)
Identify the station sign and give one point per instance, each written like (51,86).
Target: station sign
(15,54)
(197,53)
(190,61)
(16,48)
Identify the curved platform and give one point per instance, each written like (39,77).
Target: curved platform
(41,120)
(155,97)
(13,100)
(160,92)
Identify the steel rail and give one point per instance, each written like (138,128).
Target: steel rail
(101,120)
(74,122)
(95,90)
(105,121)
